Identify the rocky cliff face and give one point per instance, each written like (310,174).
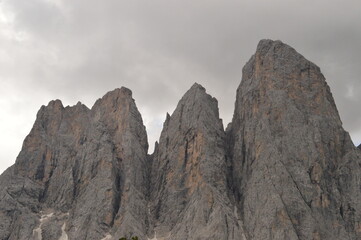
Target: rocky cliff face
(81,170)
(189,182)
(283,169)
(296,172)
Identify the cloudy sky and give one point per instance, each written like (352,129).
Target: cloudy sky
(77,50)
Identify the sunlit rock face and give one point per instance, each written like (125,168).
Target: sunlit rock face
(283,169)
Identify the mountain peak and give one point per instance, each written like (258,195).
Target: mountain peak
(195,92)
(195,107)
(197,86)
(284,168)
(125,91)
(191,159)
(115,99)
(266,45)
(53,105)
(279,56)
(285,127)
(118,92)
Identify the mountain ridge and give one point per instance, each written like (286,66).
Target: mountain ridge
(284,168)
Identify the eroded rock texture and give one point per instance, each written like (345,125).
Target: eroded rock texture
(296,171)
(284,169)
(189,178)
(86,167)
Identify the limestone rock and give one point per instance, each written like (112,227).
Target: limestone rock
(296,173)
(189,186)
(283,169)
(18,206)
(86,164)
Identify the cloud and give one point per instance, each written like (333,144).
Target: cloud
(79,50)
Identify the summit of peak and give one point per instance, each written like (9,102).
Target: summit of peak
(197,86)
(285,140)
(195,107)
(195,90)
(55,103)
(123,91)
(268,42)
(53,106)
(197,95)
(115,97)
(266,46)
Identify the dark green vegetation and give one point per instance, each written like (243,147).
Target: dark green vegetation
(133,238)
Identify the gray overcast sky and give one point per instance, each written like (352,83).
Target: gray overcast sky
(77,50)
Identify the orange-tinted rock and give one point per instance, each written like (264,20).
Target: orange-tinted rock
(89,164)
(284,169)
(189,194)
(289,151)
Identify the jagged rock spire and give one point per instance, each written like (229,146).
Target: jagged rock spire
(288,148)
(284,168)
(86,167)
(189,194)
